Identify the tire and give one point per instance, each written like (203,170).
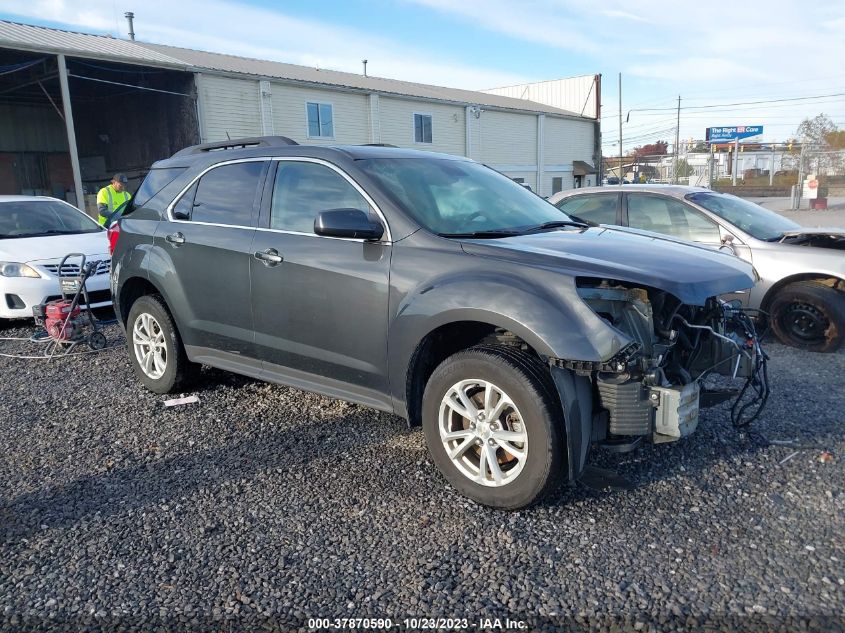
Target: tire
(171,370)
(530,410)
(810,316)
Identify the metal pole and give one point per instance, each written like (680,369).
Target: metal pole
(772,168)
(677,143)
(620,129)
(71,134)
(710,169)
(799,190)
(736,161)
(130,19)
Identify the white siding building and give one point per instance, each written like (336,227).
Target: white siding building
(547,147)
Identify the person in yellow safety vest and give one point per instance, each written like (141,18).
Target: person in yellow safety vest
(112,197)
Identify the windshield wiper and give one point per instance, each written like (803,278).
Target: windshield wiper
(545,226)
(492,233)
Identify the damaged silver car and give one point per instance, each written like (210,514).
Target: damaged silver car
(801,293)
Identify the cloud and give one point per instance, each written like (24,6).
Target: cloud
(535,21)
(704,69)
(226,26)
(615,13)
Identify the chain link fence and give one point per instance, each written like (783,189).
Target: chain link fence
(810,176)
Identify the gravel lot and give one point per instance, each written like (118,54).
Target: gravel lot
(262,506)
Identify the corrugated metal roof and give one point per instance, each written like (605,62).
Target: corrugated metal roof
(293,72)
(42,39)
(38,38)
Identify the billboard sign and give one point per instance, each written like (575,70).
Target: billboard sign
(722,134)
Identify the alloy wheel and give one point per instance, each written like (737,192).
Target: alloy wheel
(150,346)
(483,432)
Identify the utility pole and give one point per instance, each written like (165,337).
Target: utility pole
(677,142)
(620,129)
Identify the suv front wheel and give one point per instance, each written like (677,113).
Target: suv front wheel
(155,349)
(492,425)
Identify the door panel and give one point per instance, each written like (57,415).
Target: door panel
(320,314)
(213,272)
(323,310)
(210,252)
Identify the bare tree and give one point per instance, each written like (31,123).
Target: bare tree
(819,138)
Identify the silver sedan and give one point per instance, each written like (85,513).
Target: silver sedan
(802,270)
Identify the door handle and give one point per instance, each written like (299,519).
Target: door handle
(175,239)
(269,257)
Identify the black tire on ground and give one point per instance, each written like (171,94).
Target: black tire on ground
(529,385)
(810,316)
(178,369)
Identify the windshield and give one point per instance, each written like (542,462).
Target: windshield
(459,198)
(32,218)
(751,218)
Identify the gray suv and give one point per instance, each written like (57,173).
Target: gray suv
(435,288)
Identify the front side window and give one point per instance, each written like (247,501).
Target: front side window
(224,195)
(454,197)
(670,217)
(593,209)
(33,218)
(320,120)
(751,218)
(303,189)
(422,128)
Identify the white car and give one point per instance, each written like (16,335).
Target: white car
(35,234)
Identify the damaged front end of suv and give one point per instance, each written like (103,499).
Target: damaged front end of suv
(653,388)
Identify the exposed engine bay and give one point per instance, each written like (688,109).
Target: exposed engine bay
(654,387)
(818,238)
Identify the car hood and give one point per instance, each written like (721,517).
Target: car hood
(35,249)
(691,273)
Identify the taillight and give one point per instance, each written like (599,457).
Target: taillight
(114,234)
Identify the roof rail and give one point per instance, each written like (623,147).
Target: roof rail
(378,145)
(237,143)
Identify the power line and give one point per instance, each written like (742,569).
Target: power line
(741,103)
(646,111)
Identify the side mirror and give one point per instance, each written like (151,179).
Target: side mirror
(352,223)
(180,215)
(728,244)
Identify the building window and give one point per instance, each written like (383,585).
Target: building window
(320,120)
(422,128)
(557,184)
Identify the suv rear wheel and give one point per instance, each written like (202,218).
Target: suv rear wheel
(809,316)
(492,425)
(155,349)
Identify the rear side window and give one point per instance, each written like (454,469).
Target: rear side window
(155,181)
(226,194)
(302,190)
(594,209)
